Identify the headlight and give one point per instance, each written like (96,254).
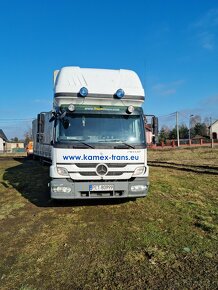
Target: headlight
(62,189)
(139,171)
(62,171)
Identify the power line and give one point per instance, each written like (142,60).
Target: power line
(169,115)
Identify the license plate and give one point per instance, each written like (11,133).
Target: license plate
(101,187)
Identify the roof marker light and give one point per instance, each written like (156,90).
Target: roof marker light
(83,92)
(120,93)
(71,108)
(130,109)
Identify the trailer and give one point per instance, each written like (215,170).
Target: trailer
(94,135)
(42,131)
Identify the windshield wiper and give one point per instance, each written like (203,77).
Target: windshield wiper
(118,142)
(125,144)
(81,142)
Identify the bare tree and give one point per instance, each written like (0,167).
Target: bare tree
(28,136)
(195,120)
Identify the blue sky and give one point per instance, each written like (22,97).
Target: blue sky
(172,45)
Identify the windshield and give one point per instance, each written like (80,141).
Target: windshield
(93,128)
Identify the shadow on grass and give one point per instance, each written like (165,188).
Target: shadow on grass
(31,179)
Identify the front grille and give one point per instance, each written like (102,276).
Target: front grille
(86,165)
(93,165)
(92,173)
(114,173)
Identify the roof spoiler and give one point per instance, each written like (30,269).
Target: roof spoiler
(55,73)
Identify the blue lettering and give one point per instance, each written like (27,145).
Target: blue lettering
(96,157)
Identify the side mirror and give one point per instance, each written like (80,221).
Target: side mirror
(52,143)
(155,125)
(63,114)
(52,119)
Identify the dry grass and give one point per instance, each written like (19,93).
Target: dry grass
(167,240)
(193,156)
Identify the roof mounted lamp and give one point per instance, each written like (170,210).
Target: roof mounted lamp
(120,93)
(71,108)
(130,109)
(83,92)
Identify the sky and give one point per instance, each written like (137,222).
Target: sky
(171,44)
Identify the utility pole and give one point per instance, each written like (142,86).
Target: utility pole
(190,128)
(177,127)
(211,133)
(211,137)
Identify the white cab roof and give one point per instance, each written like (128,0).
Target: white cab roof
(98,81)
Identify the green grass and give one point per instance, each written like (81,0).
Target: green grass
(167,240)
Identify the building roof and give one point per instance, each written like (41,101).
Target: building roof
(213,123)
(3,136)
(198,137)
(148,127)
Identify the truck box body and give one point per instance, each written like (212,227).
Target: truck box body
(42,135)
(96,138)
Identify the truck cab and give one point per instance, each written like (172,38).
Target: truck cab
(98,137)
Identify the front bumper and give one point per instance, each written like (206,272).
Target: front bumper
(80,190)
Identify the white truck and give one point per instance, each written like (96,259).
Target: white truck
(95,135)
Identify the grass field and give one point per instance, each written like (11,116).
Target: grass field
(168,240)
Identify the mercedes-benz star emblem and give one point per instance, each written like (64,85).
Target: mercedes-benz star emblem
(101,169)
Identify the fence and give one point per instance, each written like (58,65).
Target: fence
(185,143)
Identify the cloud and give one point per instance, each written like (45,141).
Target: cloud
(210,101)
(168,92)
(209,19)
(205,107)
(167,89)
(206,29)
(41,101)
(177,83)
(207,40)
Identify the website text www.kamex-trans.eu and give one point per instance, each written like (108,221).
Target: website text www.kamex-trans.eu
(85,157)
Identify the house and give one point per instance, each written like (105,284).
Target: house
(148,133)
(12,147)
(3,140)
(197,137)
(9,146)
(214,130)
